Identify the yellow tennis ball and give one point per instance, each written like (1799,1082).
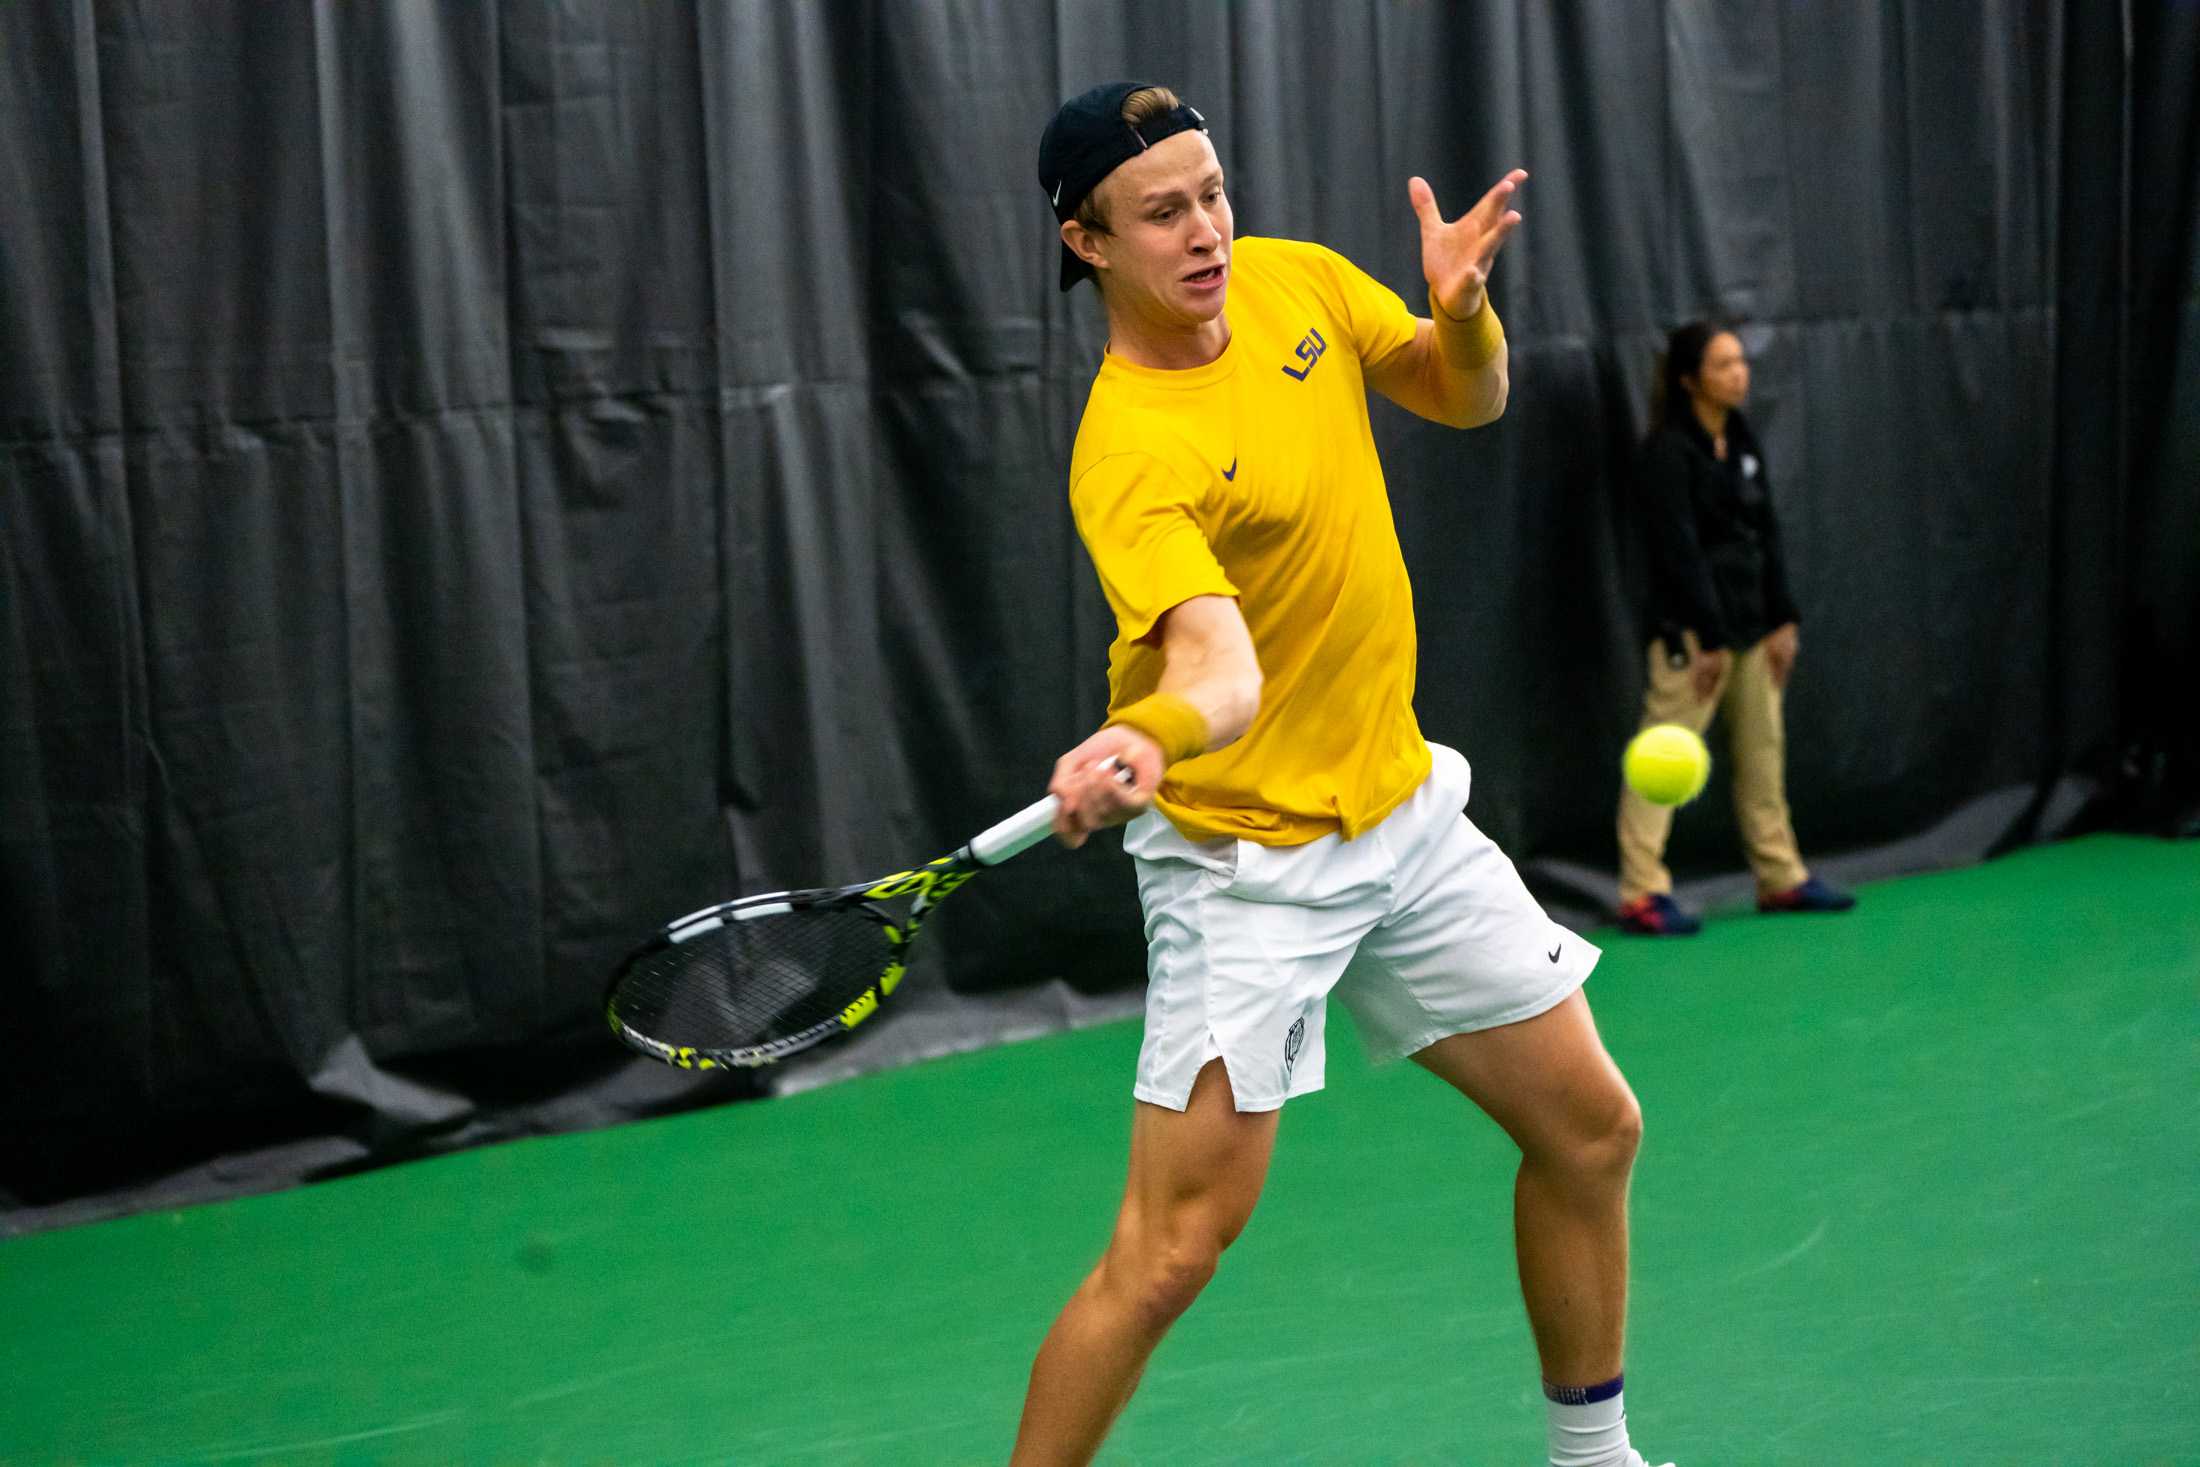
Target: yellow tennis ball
(1666,764)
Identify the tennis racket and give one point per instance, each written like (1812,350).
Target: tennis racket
(750,982)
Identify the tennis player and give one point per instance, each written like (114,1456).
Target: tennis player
(1294,834)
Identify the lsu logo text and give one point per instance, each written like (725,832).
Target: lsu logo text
(1311,347)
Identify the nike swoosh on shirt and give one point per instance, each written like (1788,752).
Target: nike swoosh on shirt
(1230,472)
(1554,952)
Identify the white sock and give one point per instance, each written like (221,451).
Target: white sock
(1588,1425)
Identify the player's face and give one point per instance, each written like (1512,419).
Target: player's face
(1724,376)
(1168,246)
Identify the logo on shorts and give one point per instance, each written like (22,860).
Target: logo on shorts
(1291,1043)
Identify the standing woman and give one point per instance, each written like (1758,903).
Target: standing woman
(1723,628)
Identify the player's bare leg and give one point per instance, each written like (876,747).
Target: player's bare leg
(1194,1178)
(1555,1091)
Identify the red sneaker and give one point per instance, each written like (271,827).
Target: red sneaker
(1812,896)
(1656,915)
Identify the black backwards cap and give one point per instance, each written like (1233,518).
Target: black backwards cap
(1088,140)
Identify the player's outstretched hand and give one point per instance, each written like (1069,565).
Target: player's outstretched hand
(1456,257)
(1093,792)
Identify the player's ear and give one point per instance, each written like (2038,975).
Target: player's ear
(1083,243)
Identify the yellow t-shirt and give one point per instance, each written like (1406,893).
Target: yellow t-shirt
(1255,476)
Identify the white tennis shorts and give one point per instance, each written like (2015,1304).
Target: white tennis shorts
(1421,926)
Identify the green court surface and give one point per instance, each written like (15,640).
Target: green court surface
(1921,1185)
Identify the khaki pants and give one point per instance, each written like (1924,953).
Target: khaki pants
(1757,743)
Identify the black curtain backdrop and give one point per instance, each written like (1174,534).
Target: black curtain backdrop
(480,479)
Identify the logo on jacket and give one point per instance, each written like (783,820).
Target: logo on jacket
(1311,347)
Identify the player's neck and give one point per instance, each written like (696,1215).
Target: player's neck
(1165,346)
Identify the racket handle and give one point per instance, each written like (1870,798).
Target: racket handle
(1015,835)
(1028,826)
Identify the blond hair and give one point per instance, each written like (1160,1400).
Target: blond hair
(1139,108)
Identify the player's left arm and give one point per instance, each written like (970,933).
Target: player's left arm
(1455,370)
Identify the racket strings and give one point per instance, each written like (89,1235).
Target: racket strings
(750,983)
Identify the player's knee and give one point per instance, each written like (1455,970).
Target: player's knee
(1607,1149)
(1172,1278)
(1624,1139)
(1599,1148)
(1158,1276)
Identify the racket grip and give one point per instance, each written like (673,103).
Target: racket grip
(1028,826)
(1015,835)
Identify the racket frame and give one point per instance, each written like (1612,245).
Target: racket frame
(926,886)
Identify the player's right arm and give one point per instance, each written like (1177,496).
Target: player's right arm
(1138,512)
(1208,696)
(1210,664)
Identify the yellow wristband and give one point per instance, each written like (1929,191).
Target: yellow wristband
(1178,727)
(1470,343)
